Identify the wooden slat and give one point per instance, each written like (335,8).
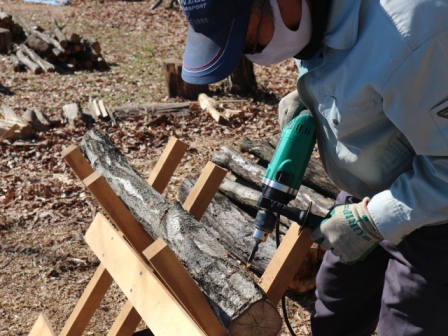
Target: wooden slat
(203,191)
(126,322)
(167,164)
(182,285)
(88,303)
(42,327)
(120,214)
(80,165)
(152,300)
(286,262)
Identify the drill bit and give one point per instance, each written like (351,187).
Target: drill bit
(252,254)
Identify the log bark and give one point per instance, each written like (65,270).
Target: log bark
(5,40)
(46,66)
(60,36)
(37,119)
(233,294)
(234,228)
(35,68)
(229,158)
(315,176)
(16,65)
(128,111)
(42,47)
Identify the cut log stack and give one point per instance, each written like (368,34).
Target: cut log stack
(7,22)
(40,51)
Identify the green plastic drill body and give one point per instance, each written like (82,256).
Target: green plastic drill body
(284,175)
(285,172)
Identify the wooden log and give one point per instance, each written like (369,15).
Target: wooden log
(315,176)
(208,104)
(5,20)
(5,40)
(128,111)
(242,79)
(234,228)
(232,293)
(176,87)
(74,38)
(229,158)
(16,30)
(95,45)
(37,119)
(101,63)
(46,66)
(42,47)
(247,197)
(33,67)
(47,39)
(70,113)
(16,65)
(25,27)
(60,36)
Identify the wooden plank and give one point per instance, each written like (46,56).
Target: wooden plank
(88,303)
(286,262)
(203,191)
(152,300)
(102,108)
(167,163)
(42,327)
(182,285)
(80,165)
(120,214)
(126,322)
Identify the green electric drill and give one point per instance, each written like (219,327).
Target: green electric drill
(283,178)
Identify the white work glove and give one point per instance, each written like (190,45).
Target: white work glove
(288,108)
(349,233)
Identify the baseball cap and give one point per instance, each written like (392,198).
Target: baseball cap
(215,40)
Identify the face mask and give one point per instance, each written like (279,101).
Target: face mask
(285,43)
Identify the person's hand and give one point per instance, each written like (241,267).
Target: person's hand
(287,108)
(349,232)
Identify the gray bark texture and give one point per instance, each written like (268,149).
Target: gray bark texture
(315,176)
(227,219)
(233,294)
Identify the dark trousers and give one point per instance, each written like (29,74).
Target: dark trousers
(402,289)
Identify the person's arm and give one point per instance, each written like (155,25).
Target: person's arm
(415,99)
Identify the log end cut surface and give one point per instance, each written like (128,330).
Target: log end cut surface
(261,319)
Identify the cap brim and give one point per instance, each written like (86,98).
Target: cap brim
(212,57)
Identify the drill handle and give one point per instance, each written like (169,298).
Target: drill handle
(304,218)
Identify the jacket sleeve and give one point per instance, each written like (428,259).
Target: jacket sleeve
(415,99)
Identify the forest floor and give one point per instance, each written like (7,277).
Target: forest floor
(45,210)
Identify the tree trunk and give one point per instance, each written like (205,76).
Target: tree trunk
(241,306)
(242,79)
(42,47)
(176,86)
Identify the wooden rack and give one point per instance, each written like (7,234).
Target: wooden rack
(158,288)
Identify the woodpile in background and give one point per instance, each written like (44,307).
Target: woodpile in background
(40,50)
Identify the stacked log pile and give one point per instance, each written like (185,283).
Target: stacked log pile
(40,50)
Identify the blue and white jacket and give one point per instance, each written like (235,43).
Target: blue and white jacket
(378,89)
